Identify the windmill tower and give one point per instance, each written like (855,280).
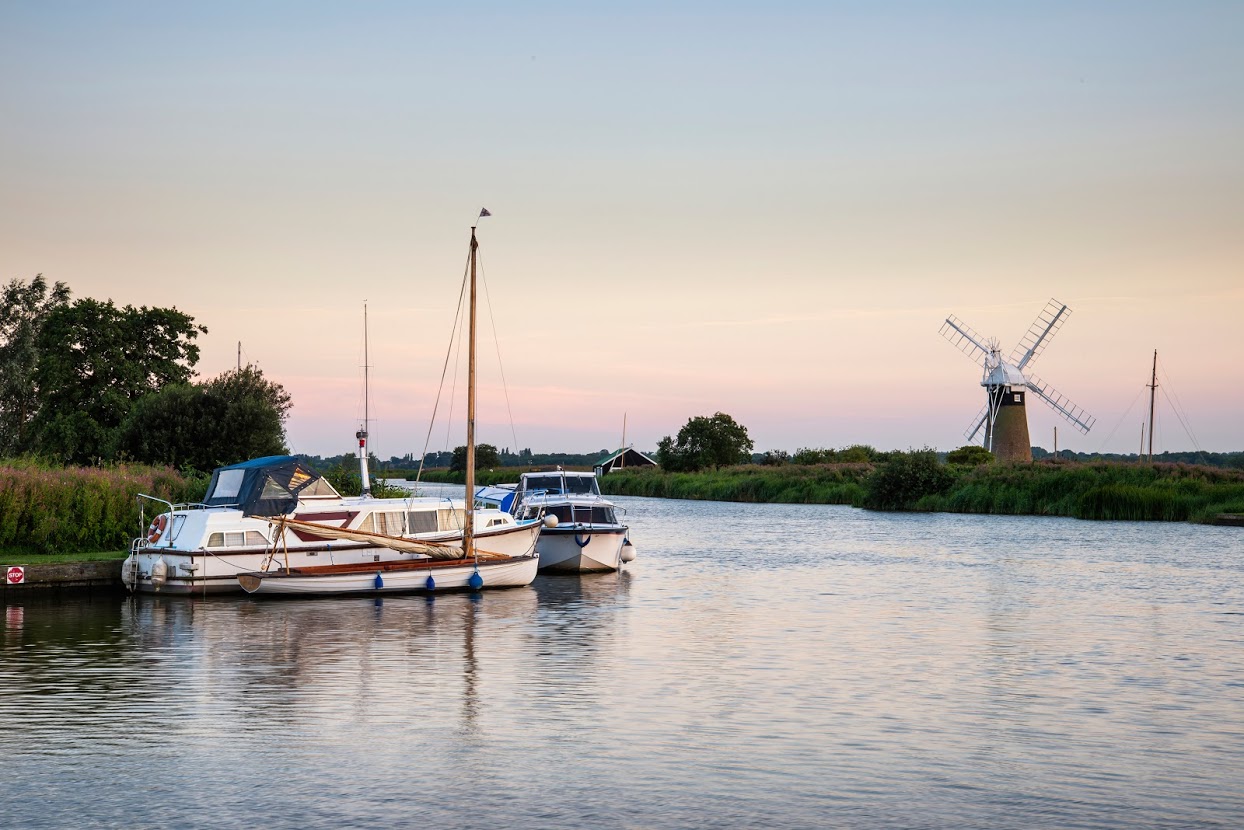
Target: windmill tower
(1007,382)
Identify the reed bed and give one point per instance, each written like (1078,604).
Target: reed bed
(908,481)
(46,509)
(789,484)
(1101,490)
(483,478)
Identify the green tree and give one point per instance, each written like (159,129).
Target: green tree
(236,415)
(23,309)
(971,455)
(808,455)
(858,454)
(95,360)
(486,458)
(719,441)
(775,458)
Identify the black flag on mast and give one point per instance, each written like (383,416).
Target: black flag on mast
(484,212)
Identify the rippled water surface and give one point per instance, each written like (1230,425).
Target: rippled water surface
(758,666)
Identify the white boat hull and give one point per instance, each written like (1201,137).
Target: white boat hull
(403,579)
(580,550)
(200,572)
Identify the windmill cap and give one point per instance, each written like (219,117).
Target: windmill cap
(1004,374)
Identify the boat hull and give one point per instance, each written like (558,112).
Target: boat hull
(394,578)
(200,573)
(580,549)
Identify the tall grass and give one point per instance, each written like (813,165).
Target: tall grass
(790,484)
(1100,490)
(45,509)
(908,481)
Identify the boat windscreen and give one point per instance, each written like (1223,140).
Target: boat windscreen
(547,484)
(581,485)
(574,514)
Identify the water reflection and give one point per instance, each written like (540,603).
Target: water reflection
(777,666)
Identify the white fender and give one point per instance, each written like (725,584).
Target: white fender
(159,573)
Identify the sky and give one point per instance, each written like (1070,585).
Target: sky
(763,209)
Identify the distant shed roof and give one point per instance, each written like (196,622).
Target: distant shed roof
(624,458)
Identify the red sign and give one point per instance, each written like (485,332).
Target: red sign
(16,575)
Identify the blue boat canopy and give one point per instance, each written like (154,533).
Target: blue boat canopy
(268,486)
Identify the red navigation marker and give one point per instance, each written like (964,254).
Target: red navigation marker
(16,575)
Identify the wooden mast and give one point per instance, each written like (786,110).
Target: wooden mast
(468,532)
(1153,388)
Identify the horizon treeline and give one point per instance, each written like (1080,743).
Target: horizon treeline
(854,454)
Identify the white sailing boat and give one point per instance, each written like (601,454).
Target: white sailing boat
(416,566)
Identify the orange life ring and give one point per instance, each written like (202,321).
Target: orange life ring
(158,524)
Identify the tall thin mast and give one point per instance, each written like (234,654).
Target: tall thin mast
(362,433)
(468,532)
(366,373)
(1153,388)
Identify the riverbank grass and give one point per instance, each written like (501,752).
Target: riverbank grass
(47,510)
(918,481)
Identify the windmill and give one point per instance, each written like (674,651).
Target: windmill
(1003,417)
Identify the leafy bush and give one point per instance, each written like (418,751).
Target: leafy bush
(970,455)
(905,479)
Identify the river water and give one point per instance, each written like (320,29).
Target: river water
(758,666)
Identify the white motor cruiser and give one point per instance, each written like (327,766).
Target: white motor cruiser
(582,532)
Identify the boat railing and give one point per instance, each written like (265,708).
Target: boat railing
(167,534)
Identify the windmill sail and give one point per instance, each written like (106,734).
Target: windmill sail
(978,423)
(965,340)
(1059,402)
(1042,330)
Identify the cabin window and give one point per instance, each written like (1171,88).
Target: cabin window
(594,515)
(495,522)
(386,524)
(319,487)
(391,524)
(237,539)
(451,519)
(299,478)
(422,521)
(274,490)
(582,515)
(561,511)
(1016,397)
(228,484)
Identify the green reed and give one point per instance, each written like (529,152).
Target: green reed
(916,481)
(790,484)
(48,509)
(1101,490)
